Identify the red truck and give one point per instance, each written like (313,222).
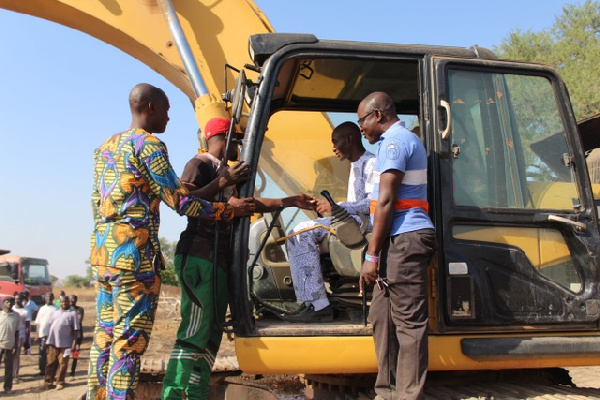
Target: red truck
(20,273)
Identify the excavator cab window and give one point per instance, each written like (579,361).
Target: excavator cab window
(332,84)
(509,144)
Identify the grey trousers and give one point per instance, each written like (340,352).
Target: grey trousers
(399,316)
(305,263)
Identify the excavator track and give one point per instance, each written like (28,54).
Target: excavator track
(474,385)
(228,382)
(509,391)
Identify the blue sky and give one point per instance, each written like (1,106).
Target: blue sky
(62,93)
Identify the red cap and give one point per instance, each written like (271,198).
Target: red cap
(216,126)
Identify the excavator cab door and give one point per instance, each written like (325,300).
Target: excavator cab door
(513,206)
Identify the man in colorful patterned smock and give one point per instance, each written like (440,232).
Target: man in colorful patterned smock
(199,336)
(132,175)
(401,244)
(303,249)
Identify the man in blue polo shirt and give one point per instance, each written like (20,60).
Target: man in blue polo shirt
(401,245)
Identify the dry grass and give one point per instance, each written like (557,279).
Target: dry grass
(83,294)
(87,294)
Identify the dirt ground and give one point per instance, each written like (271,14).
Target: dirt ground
(161,343)
(30,386)
(162,340)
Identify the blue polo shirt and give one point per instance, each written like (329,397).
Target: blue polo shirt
(400,149)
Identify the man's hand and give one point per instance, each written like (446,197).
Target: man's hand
(236,173)
(242,207)
(368,274)
(323,207)
(301,201)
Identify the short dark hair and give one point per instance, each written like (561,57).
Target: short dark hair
(144,93)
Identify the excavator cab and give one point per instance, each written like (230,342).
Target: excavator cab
(516,271)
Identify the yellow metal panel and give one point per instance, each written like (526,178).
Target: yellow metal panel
(318,355)
(543,247)
(596,191)
(356,354)
(553,195)
(553,248)
(304,161)
(445,354)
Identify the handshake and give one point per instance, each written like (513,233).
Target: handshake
(247,206)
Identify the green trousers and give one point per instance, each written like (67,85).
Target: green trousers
(199,336)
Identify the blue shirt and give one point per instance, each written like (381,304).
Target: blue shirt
(400,149)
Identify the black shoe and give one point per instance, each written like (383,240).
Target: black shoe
(308,315)
(300,309)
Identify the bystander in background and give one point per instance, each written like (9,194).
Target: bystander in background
(60,343)
(24,323)
(42,321)
(31,308)
(79,312)
(9,324)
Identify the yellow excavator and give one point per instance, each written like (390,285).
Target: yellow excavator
(515,283)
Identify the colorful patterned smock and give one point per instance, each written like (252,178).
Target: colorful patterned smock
(132,174)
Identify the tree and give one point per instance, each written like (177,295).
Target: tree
(77,281)
(571,46)
(168,275)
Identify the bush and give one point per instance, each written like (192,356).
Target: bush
(77,281)
(169,277)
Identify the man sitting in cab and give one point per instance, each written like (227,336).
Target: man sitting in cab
(303,248)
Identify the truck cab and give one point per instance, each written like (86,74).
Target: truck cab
(20,273)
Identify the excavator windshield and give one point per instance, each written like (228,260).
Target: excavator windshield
(342,84)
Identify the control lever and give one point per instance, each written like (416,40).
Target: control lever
(347,229)
(338,214)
